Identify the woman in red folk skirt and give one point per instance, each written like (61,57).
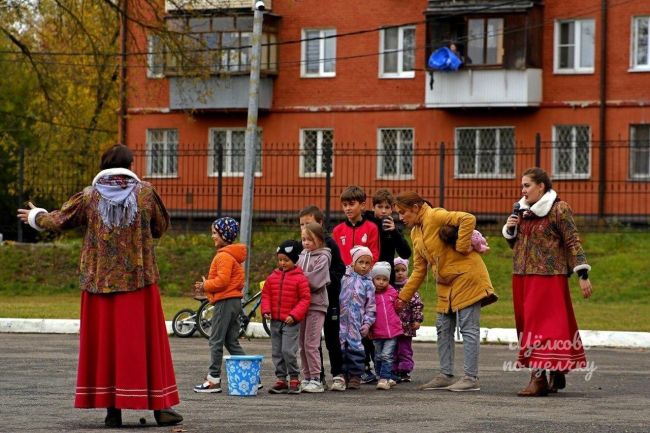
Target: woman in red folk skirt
(124,356)
(546,250)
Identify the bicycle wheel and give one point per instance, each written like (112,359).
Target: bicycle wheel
(244,320)
(184,323)
(206,310)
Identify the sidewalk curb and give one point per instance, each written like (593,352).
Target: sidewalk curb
(635,340)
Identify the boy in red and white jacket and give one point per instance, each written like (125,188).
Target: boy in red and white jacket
(356,230)
(285,300)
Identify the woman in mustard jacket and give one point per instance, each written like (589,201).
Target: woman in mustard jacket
(463,284)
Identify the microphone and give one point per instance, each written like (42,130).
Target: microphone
(515,209)
(515,213)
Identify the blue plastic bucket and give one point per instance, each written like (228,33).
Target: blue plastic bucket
(243,374)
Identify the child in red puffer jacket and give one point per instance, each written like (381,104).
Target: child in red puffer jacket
(285,300)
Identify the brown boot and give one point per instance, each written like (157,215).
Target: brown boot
(537,387)
(556,380)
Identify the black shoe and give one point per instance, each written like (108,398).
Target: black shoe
(166,417)
(113,418)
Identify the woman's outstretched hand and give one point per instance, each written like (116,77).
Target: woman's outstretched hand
(399,305)
(585,285)
(23,214)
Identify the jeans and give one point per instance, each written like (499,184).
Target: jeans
(384,353)
(468,321)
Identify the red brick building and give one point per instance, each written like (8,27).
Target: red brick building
(572,76)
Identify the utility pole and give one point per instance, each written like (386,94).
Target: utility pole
(251,139)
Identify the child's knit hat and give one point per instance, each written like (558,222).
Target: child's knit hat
(358,251)
(227,228)
(401,261)
(381,269)
(291,249)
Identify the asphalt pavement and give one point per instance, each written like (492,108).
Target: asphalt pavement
(38,374)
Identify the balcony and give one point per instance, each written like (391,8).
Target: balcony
(184,5)
(216,93)
(484,88)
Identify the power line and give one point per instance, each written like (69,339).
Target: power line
(336,58)
(286,42)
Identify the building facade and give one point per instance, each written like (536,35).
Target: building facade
(346,97)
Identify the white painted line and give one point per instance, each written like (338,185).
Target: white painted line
(639,340)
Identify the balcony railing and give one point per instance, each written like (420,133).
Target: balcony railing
(484,88)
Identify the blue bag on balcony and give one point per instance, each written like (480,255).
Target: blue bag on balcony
(443,59)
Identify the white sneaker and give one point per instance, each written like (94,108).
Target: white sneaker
(304,383)
(338,384)
(313,386)
(392,383)
(383,384)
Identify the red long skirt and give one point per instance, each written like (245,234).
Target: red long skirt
(546,325)
(124,356)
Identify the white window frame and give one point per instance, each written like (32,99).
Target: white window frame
(166,144)
(497,164)
(155,54)
(634,65)
(633,155)
(330,33)
(399,155)
(401,73)
(556,140)
(227,161)
(319,152)
(577,47)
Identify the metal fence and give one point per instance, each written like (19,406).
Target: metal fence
(606,184)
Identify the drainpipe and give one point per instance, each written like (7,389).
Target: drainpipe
(123,29)
(602,118)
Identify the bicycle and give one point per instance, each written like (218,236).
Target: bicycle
(187,321)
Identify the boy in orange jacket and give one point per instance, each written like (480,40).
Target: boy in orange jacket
(223,287)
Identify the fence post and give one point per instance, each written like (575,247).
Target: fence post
(21,180)
(328,184)
(442,174)
(219,177)
(538,149)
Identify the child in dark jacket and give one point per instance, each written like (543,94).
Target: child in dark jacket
(387,326)
(285,300)
(411,317)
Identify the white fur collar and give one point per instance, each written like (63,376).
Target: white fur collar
(542,206)
(113,172)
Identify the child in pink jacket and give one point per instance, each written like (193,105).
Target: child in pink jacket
(387,326)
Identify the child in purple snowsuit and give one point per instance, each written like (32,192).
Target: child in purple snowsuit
(356,314)
(411,317)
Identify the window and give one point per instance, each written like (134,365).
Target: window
(397,59)
(485,41)
(162,152)
(230,145)
(641,43)
(155,57)
(485,152)
(395,153)
(316,146)
(215,45)
(640,152)
(574,46)
(318,53)
(571,152)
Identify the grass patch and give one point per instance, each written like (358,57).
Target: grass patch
(41,280)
